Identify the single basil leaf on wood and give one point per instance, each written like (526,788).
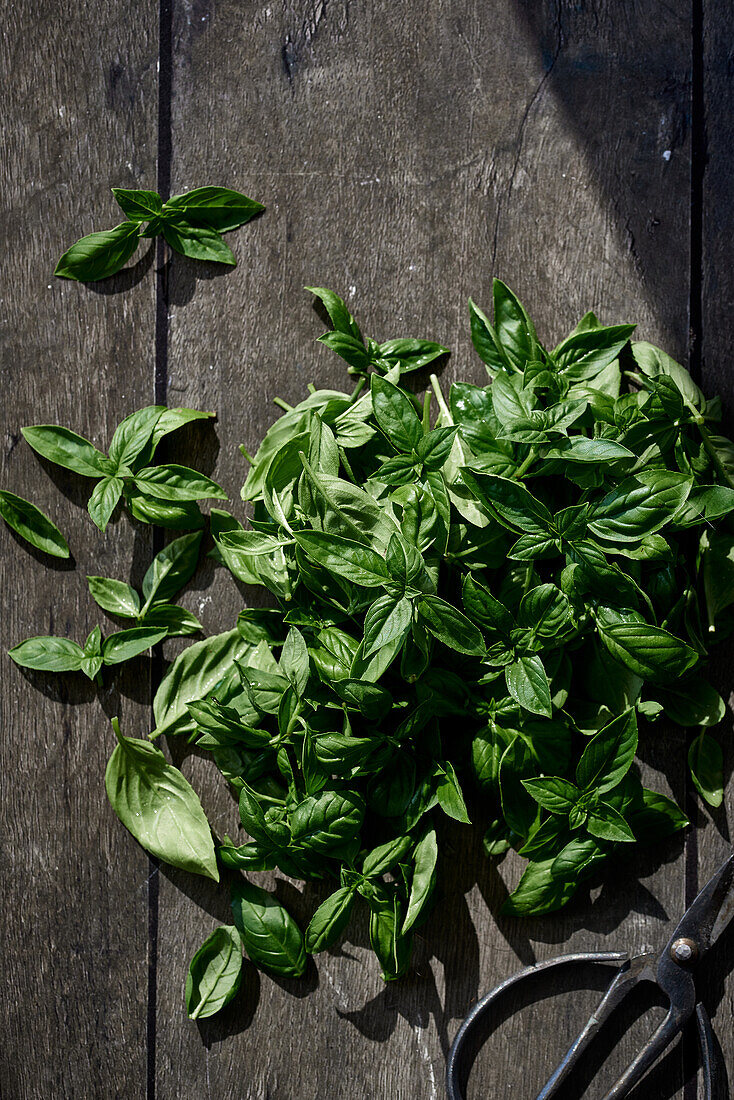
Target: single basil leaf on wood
(67,449)
(171,568)
(198,242)
(553,794)
(449,794)
(138,206)
(649,651)
(344,558)
(215,973)
(608,756)
(327,820)
(126,644)
(538,891)
(48,654)
(114,596)
(484,339)
(329,920)
(528,685)
(219,207)
(103,500)
(177,483)
(159,807)
(270,935)
(349,347)
(132,434)
(450,626)
(693,702)
(100,254)
(423,879)
(195,674)
(171,420)
(706,762)
(176,621)
(388,618)
(336,308)
(31,524)
(396,415)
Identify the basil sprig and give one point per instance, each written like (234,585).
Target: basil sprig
(191,223)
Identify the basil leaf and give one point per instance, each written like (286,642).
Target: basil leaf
(48,654)
(270,936)
(395,414)
(423,880)
(184,516)
(103,500)
(485,341)
(127,644)
(215,973)
(32,525)
(515,331)
(171,568)
(327,820)
(649,651)
(159,807)
(114,596)
(450,626)
(100,254)
(583,355)
(388,619)
(198,242)
(344,558)
(390,946)
(67,449)
(706,763)
(528,685)
(177,483)
(294,660)
(219,207)
(132,434)
(329,920)
(539,891)
(608,756)
(336,308)
(553,794)
(411,354)
(349,347)
(510,501)
(639,506)
(138,206)
(382,859)
(195,674)
(448,792)
(176,621)
(608,824)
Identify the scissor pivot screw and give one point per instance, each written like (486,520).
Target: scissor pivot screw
(684,950)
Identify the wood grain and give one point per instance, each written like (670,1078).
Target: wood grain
(406,156)
(78,116)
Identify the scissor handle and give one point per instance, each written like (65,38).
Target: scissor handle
(454,1081)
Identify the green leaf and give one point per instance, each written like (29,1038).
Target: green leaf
(581,449)
(177,483)
(270,936)
(103,500)
(553,794)
(544,610)
(395,414)
(138,206)
(294,660)
(649,651)
(608,824)
(329,920)
(639,506)
(583,355)
(195,674)
(176,621)
(515,330)
(706,762)
(327,820)
(133,433)
(349,347)
(387,619)
(114,596)
(336,308)
(423,880)
(390,946)
(184,516)
(511,501)
(159,807)
(48,654)
(655,817)
(32,525)
(484,339)
(100,254)
(608,756)
(482,605)
(126,644)
(655,363)
(692,702)
(171,568)
(450,626)
(67,449)
(385,856)
(539,891)
(219,207)
(411,354)
(449,794)
(215,973)
(344,558)
(198,242)
(528,685)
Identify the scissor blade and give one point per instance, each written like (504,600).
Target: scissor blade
(710,913)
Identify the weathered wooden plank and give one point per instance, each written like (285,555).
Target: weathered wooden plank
(78,116)
(717,298)
(407,155)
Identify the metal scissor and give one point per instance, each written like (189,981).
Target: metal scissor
(671,970)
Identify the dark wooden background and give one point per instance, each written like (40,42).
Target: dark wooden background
(407,153)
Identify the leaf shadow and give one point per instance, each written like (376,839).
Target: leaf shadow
(50,561)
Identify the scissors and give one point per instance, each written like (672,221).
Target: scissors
(671,970)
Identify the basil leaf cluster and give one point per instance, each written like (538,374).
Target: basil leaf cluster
(191,223)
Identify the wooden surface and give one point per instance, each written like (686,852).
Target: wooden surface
(406,154)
